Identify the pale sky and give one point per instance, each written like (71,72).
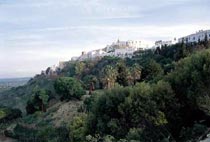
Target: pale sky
(35,34)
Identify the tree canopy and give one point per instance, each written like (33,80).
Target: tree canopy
(68,88)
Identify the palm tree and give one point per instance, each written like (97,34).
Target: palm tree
(135,71)
(92,83)
(40,97)
(44,98)
(109,76)
(130,77)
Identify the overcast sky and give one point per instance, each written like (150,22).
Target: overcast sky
(35,34)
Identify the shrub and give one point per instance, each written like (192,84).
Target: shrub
(69,88)
(77,129)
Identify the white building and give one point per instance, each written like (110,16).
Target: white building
(120,43)
(121,49)
(134,44)
(91,55)
(196,37)
(129,43)
(123,53)
(74,58)
(161,43)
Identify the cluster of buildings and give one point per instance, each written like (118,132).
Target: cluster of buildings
(192,38)
(122,49)
(196,37)
(126,49)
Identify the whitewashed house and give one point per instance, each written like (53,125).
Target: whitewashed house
(196,37)
(121,49)
(161,43)
(134,44)
(125,52)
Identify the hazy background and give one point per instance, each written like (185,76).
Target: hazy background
(35,34)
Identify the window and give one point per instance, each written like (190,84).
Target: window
(209,35)
(186,40)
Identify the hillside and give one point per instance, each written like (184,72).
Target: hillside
(157,95)
(17,97)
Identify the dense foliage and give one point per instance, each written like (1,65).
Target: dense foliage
(158,95)
(176,93)
(68,88)
(38,101)
(8,114)
(121,111)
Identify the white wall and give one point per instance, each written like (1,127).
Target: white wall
(195,37)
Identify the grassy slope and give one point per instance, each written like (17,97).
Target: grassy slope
(18,97)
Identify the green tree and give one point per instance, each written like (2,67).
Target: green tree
(190,82)
(77,129)
(68,88)
(8,114)
(152,70)
(108,76)
(140,111)
(44,98)
(79,68)
(135,71)
(119,110)
(122,75)
(91,82)
(104,117)
(206,40)
(38,101)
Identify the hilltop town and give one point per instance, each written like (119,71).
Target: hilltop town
(126,49)
(105,71)
(138,90)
